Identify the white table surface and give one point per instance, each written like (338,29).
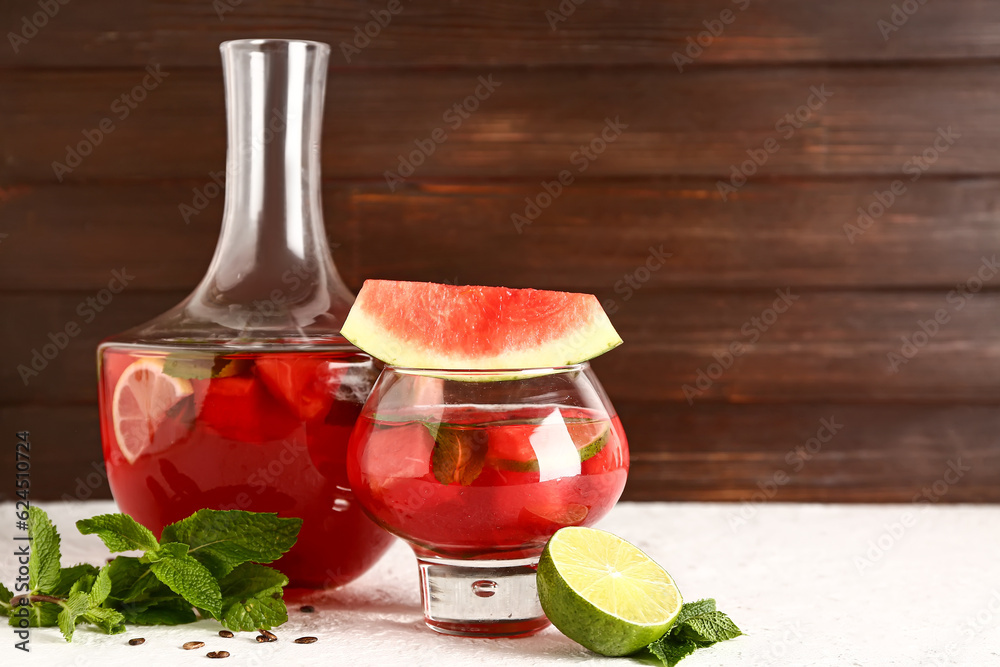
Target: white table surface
(808,584)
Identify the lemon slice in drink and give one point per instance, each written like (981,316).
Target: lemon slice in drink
(604,593)
(142,397)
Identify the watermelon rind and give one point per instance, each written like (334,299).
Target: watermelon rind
(587,339)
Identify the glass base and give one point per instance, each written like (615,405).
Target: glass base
(481,598)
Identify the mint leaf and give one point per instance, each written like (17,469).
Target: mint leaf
(222,540)
(258,612)
(69,576)
(5,597)
(698,625)
(184,575)
(101,589)
(708,629)
(251,580)
(459,453)
(691,609)
(82,585)
(43,564)
(204,368)
(119,532)
(251,598)
(108,620)
(670,651)
(131,580)
(75,607)
(173,611)
(40,615)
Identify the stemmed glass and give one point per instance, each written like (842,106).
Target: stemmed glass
(476,470)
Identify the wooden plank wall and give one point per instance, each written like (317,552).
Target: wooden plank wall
(843,99)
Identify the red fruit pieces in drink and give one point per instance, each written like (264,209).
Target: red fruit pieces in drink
(512,444)
(240,408)
(554,442)
(305,385)
(402,452)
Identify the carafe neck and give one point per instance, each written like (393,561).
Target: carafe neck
(272,268)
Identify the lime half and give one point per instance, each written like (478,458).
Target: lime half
(604,593)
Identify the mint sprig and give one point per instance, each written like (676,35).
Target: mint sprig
(699,625)
(209,561)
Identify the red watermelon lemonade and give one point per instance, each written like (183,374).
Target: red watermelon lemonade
(249,430)
(489,481)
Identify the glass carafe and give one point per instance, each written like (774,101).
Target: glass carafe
(244,395)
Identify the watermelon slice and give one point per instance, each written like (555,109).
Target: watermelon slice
(305,385)
(426,325)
